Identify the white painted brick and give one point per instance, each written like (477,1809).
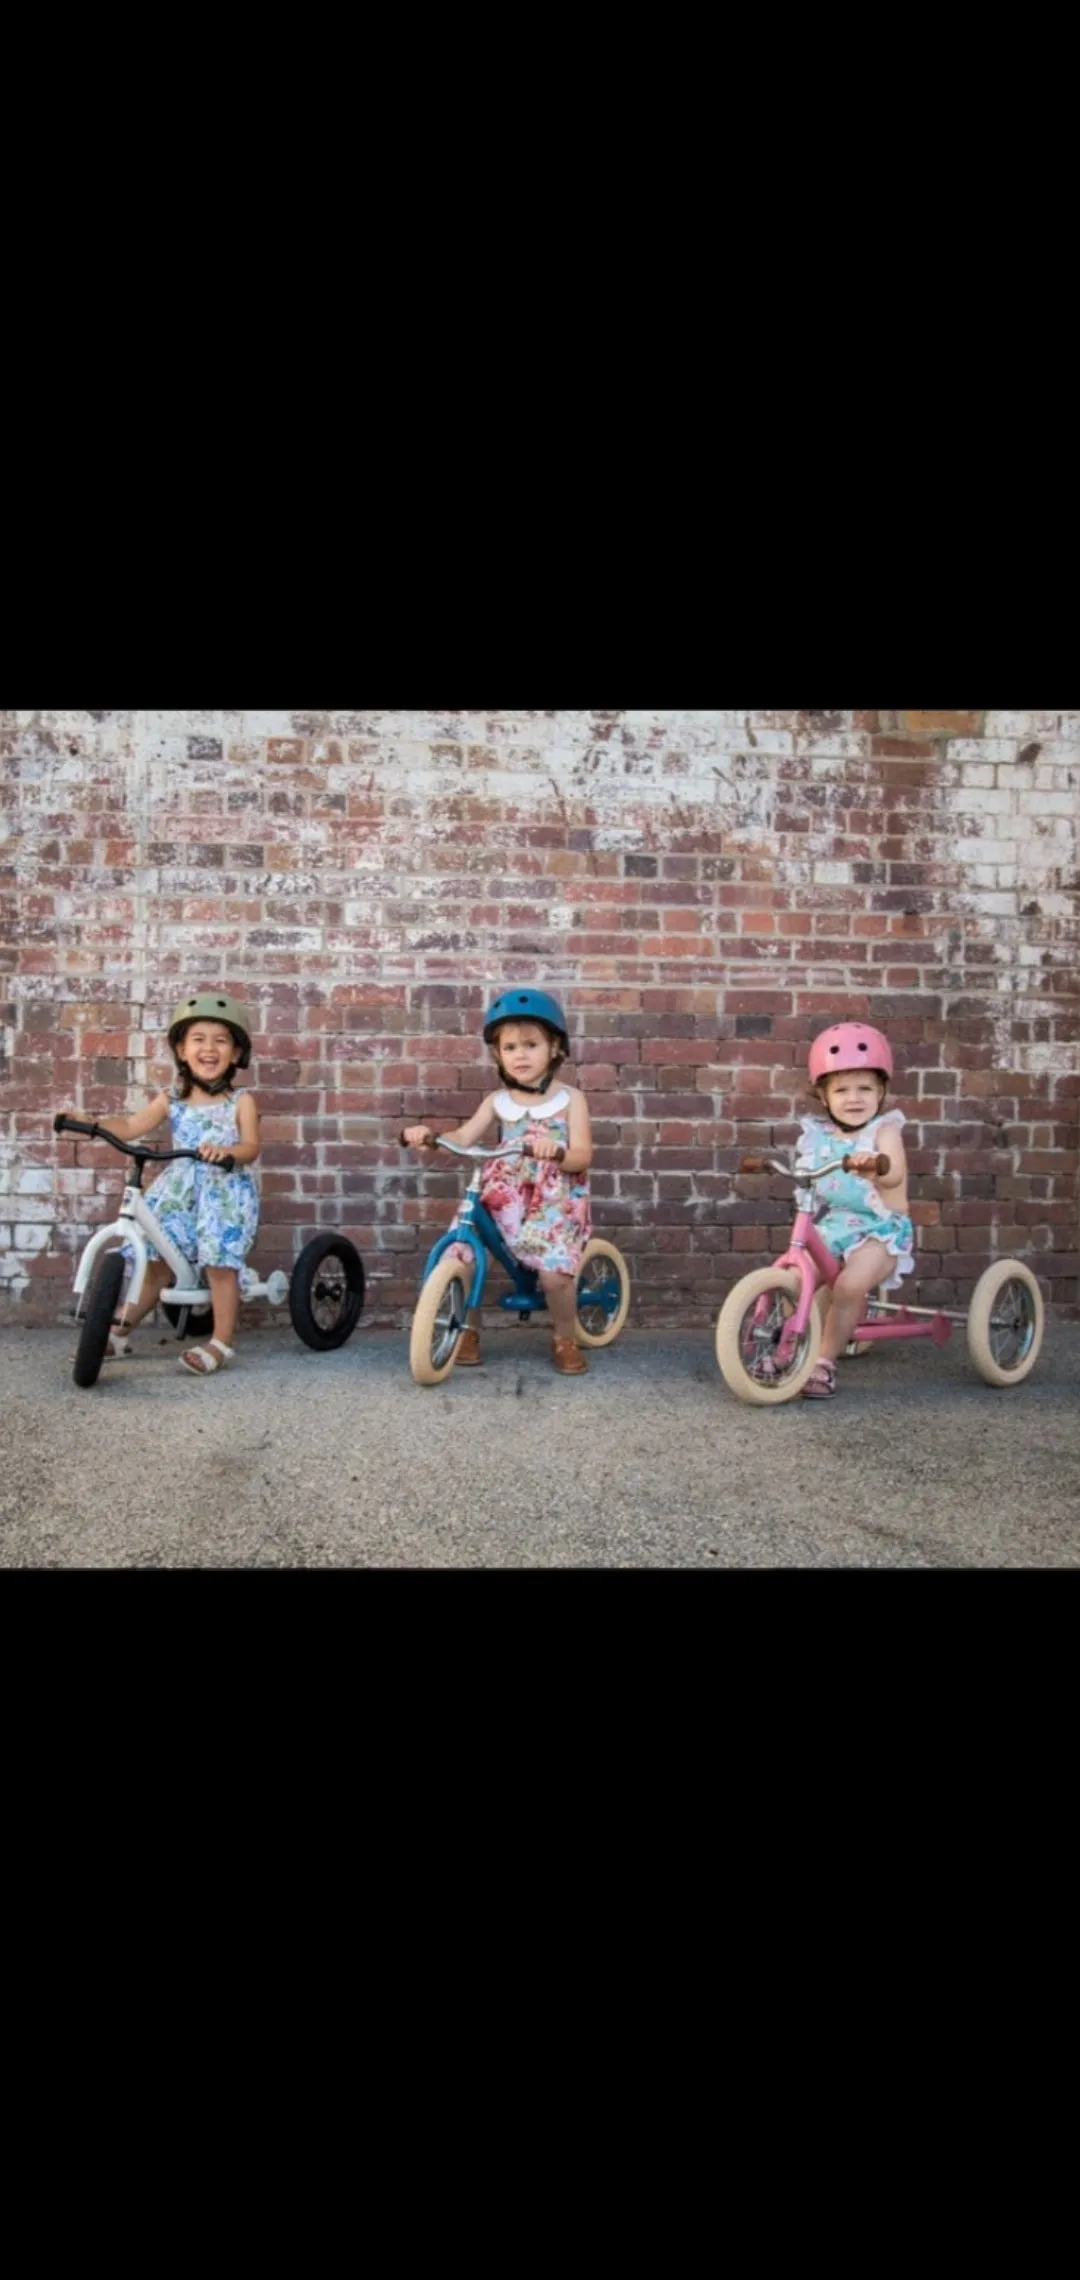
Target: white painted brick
(980,749)
(1010,723)
(1053,803)
(832,874)
(972,799)
(975,774)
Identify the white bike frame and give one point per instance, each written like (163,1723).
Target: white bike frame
(135,1222)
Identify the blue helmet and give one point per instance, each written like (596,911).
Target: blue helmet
(528,1005)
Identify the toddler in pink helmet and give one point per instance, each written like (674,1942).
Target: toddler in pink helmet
(866,1221)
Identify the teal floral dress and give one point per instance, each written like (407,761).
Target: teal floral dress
(854,1212)
(212,1216)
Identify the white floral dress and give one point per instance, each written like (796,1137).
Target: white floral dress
(212,1216)
(855,1213)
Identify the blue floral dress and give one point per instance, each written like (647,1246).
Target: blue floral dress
(855,1213)
(212,1216)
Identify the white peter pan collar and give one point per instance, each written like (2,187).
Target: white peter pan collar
(509,1112)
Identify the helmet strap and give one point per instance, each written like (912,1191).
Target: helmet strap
(842,1127)
(514,1086)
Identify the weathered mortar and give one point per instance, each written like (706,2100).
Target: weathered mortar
(700,887)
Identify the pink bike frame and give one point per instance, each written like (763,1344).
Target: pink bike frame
(811,1259)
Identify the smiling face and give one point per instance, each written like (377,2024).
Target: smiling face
(853,1096)
(524,1051)
(208,1050)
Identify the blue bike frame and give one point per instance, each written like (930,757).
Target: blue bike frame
(475,1226)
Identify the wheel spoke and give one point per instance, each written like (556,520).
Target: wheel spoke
(1012,1326)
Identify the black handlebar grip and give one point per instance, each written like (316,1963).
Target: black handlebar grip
(228,1164)
(59,1123)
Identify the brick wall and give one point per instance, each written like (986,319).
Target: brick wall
(701,888)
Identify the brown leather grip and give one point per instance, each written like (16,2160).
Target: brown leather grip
(881,1165)
(752,1164)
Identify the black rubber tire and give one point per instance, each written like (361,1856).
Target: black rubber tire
(102,1301)
(328,1276)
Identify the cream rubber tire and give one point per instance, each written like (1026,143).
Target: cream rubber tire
(1005,1323)
(441,1316)
(781,1286)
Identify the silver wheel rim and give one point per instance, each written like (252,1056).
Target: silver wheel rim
(329,1293)
(1012,1325)
(757,1341)
(599,1295)
(448,1324)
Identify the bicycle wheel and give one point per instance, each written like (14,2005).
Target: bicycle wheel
(603,1294)
(748,1332)
(326,1292)
(101,1305)
(439,1320)
(1005,1323)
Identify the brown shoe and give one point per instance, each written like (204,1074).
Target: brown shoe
(468,1352)
(568,1357)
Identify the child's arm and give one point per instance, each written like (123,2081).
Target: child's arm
(891,1145)
(578,1154)
(246,1149)
(133,1127)
(483,1125)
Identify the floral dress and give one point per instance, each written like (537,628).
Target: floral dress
(855,1213)
(211,1216)
(542,1213)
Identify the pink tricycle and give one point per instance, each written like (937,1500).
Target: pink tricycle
(769,1328)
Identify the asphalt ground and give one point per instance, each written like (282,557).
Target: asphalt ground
(297,1460)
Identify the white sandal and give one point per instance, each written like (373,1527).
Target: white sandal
(119,1347)
(200,1362)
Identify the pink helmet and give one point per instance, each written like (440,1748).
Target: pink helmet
(849,1045)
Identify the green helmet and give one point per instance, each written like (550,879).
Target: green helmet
(210,1005)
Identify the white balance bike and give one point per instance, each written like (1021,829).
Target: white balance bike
(325,1290)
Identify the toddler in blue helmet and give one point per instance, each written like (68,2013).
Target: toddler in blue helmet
(539,1202)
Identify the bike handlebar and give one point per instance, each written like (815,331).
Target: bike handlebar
(839,1164)
(481,1155)
(135,1148)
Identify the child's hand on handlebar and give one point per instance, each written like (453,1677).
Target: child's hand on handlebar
(545,1149)
(417,1136)
(868,1162)
(212,1155)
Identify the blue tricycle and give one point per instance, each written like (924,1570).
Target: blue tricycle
(451,1289)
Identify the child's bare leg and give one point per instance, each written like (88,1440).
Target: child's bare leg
(158,1276)
(560,1292)
(225,1298)
(866,1267)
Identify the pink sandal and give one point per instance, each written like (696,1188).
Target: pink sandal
(821,1383)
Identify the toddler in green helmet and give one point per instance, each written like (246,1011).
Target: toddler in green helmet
(212,1216)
